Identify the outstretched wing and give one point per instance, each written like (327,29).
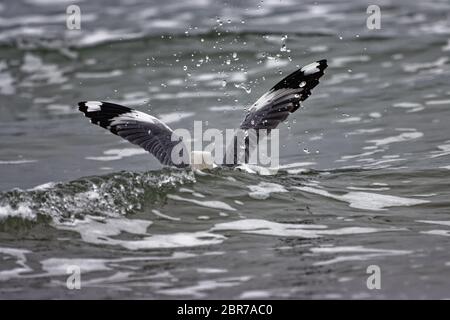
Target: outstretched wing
(274,107)
(284,98)
(137,127)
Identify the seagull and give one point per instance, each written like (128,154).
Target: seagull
(156,137)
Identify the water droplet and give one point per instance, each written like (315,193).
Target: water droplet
(224,83)
(247,89)
(305,150)
(184,68)
(302,84)
(234,55)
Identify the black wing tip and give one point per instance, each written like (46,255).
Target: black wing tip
(323,64)
(320,65)
(102,113)
(102,106)
(82,106)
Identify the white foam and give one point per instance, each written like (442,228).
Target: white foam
(21,259)
(343,61)
(21,211)
(440,222)
(117,154)
(198,290)
(60,109)
(405,136)
(222,108)
(59,266)
(364,131)
(7,81)
(349,119)
(414,67)
(412,106)
(365,253)
(164,23)
(445,150)
(21,161)
(366,200)
(44,186)
(98,36)
(263,190)
(264,227)
(296,164)
(103,231)
(52,2)
(254,169)
(255,294)
(369,189)
(175,240)
(98,75)
(319,48)
(214,204)
(437,102)
(174,116)
(98,230)
(375,115)
(445,233)
(165,216)
(40,72)
(211,270)
(190,94)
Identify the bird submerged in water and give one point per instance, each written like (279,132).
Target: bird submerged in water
(156,137)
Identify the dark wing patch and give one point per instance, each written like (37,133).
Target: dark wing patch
(137,127)
(284,98)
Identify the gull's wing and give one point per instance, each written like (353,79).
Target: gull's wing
(284,98)
(275,106)
(137,127)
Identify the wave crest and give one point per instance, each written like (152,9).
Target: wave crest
(113,195)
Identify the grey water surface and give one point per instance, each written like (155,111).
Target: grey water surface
(365,166)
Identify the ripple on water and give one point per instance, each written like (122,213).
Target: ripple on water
(366,200)
(264,227)
(363,253)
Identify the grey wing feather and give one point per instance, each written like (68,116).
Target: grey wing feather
(275,106)
(284,98)
(137,127)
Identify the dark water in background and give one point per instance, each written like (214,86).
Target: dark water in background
(366,176)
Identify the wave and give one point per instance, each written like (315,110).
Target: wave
(111,195)
(67,45)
